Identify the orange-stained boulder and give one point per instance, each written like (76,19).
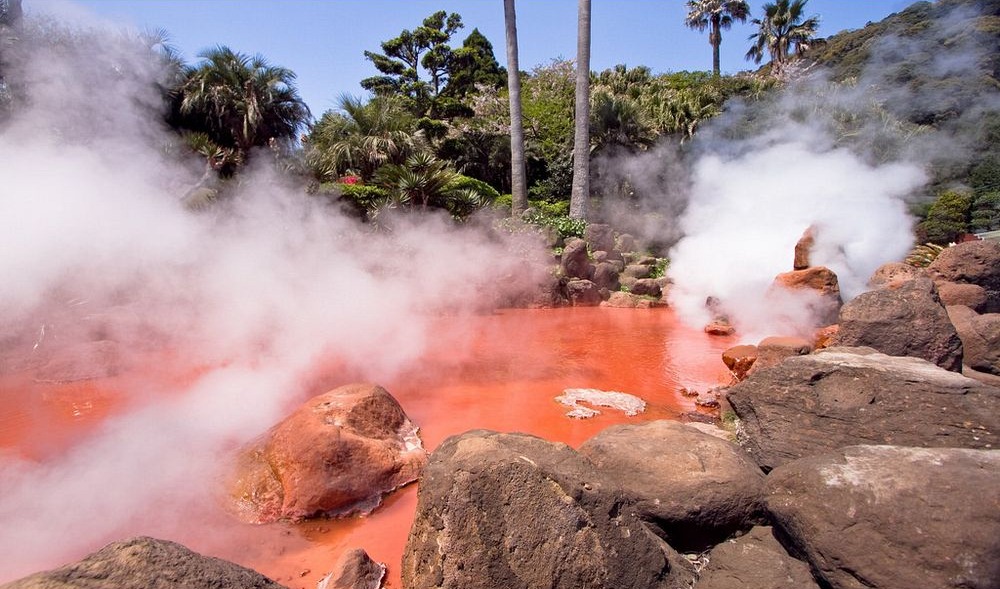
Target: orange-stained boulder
(739,359)
(804,248)
(820,280)
(337,454)
(772,351)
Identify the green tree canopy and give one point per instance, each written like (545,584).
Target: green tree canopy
(715,15)
(782,29)
(241,101)
(474,63)
(402,59)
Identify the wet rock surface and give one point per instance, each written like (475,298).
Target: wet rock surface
(339,453)
(147,563)
(893,517)
(839,397)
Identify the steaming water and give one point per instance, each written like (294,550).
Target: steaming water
(498,371)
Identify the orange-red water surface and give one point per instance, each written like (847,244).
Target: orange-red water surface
(497,371)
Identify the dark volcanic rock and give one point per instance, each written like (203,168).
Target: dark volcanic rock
(147,563)
(980,338)
(904,320)
(891,517)
(575,261)
(972,262)
(515,511)
(600,237)
(583,293)
(606,276)
(339,453)
(754,561)
(646,287)
(696,488)
(841,397)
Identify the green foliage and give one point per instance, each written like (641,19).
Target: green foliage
(360,137)
(403,57)
(985,214)
(564,225)
(659,269)
(474,64)
(504,202)
(240,101)
(948,216)
(484,190)
(782,29)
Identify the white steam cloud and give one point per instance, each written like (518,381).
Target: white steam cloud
(97,246)
(843,158)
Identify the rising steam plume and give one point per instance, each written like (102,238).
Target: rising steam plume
(97,246)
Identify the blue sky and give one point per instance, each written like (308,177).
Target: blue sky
(323,40)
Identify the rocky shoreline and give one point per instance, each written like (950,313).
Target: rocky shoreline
(872,463)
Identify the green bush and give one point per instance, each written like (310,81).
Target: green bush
(504,202)
(487,192)
(948,217)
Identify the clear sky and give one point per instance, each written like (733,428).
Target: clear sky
(323,40)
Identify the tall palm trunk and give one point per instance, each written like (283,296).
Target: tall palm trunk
(715,38)
(581,136)
(518,176)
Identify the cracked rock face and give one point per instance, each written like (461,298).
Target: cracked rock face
(516,511)
(893,517)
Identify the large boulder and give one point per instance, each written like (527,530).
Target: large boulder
(337,454)
(886,517)
(957,293)
(754,561)
(841,397)
(354,570)
(600,237)
(972,262)
(773,350)
(906,319)
(892,273)
(147,563)
(575,262)
(648,287)
(980,338)
(516,511)
(697,489)
(606,276)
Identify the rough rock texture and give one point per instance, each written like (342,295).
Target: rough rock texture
(739,359)
(893,273)
(905,320)
(583,293)
(772,351)
(697,489)
(626,300)
(803,248)
(600,237)
(972,262)
(575,262)
(825,336)
(980,338)
(606,276)
(720,327)
(628,404)
(147,563)
(339,453)
(969,295)
(754,561)
(840,397)
(821,281)
(637,271)
(515,511)
(891,517)
(355,570)
(625,243)
(646,287)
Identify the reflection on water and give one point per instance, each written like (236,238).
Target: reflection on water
(497,371)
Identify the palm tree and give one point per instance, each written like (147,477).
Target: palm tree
(241,101)
(781,30)
(581,135)
(361,137)
(715,15)
(518,175)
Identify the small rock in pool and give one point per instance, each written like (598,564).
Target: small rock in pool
(628,404)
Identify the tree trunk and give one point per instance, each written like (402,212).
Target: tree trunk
(518,176)
(581,137)
(715,38)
